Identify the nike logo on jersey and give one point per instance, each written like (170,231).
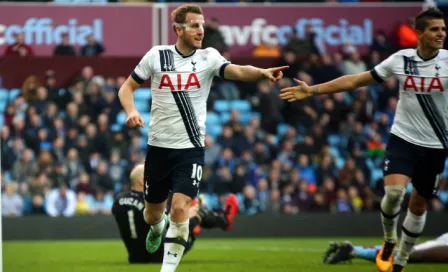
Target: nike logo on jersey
(180,84)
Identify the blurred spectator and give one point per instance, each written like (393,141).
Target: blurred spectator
(61,202)
(380,43)
(92,48)
(12,202)
(25,166)
(213,37)
(64,48)
(354,64)
(29,88)
(407,36)
(266,49)
(19,48)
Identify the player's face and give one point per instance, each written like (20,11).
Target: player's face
(434,35)
(193,33)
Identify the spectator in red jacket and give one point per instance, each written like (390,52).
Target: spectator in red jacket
(19,48)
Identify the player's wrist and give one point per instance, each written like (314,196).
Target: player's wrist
(314,91)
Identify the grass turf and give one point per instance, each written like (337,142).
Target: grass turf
(217,255)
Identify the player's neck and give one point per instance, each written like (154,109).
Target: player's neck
(183,48)
(137,189)
(426,54)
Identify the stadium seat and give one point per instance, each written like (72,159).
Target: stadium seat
(335,152)
(225,117)
(370,164)
(142,94)
(240,105)
(3,95)
(2,120)
(214,131)
(13,93)
(340,162)
(115,128)
(409,188)
(221,106)
(376,174)
(377,116)
(121,118)
(282,128)
(245,117)
(142,106)
(334,140)
(212,119)
(3,104)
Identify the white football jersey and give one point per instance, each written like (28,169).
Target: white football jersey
(422,110)
(180,87)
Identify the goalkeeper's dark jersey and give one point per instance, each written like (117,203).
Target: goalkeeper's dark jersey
(128,212)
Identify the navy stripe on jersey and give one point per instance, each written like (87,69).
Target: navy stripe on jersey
(187,118)
(137,78)
(434,117)
(376,76)
(166,60)
(192,115)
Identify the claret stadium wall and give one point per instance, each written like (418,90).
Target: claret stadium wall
(126,42)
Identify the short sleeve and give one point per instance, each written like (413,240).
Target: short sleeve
(145,67)
(384,70)
(217,62)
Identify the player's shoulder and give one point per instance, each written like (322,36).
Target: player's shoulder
(410,52)
(122,195)
(443,53)
(208,52)
(156,48)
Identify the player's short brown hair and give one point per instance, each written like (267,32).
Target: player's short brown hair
(179,15)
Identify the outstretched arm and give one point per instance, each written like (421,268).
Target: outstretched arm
(251,73)
(341,84)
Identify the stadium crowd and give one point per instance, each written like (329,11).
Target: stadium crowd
(65,151)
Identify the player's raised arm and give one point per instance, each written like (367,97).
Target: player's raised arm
(251,73)
(341,84)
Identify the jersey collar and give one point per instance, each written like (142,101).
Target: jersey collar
(427,58)
(182,55)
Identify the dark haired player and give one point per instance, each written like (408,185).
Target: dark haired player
(418,142)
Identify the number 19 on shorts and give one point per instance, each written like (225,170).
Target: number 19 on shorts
(196,174)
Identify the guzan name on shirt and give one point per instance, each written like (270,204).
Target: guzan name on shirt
(129,201)
(420,84)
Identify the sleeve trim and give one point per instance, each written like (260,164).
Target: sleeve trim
(221,70)
(137,78)
(376,76)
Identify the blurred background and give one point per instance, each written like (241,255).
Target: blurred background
(63,132)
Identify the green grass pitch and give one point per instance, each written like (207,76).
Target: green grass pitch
(217,255)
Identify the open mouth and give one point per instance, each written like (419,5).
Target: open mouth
(198,39)
(439,41)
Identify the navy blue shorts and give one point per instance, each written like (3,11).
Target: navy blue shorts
(422,164)
(176,170)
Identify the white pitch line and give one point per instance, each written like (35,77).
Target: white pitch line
(261,248)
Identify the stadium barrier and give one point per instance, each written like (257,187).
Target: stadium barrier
(262,225)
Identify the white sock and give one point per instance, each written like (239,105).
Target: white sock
(413,226)
(175,241)
(158,227)
(390,211)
